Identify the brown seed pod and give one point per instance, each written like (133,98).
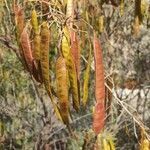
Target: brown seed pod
(20,24)
(99,71)
(99,112)
(98,118)
(27,52)
(75,52)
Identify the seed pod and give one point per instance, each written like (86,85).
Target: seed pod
(37,74)
(20,24)
(86,80)
(144,142)
(62,88)
(73,82)
(36,47)
(66,51)
(34,22)
(104,142)
(145,145)
(101,23)
(99,113)
(105,145)
(19,17)
(26,46)
(36,37)
(111,144)
(98,117)
(44,60)
(87,16)
(66,42)
(99,71)
(121,7)
(75,52)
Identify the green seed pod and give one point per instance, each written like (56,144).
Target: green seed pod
(62,88)
(44,59)
(34,22)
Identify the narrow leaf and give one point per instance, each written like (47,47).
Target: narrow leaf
(86,80)
(108,97)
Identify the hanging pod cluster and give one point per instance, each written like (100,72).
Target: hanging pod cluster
(34,51)
(35,55)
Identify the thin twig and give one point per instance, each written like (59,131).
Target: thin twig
(40,98)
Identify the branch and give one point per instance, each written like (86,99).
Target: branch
(40,98)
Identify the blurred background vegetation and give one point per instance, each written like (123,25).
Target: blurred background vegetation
(126,51)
